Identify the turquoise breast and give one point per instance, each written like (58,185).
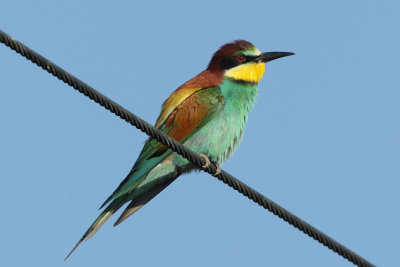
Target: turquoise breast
(220,137)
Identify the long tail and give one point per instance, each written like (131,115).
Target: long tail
(142,192)
(103,217)
(139,199)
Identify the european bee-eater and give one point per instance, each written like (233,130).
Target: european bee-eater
(207,114)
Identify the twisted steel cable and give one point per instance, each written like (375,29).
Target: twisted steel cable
(182,150)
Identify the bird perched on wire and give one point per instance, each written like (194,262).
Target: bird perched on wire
(207,114)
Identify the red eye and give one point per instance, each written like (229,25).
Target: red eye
(241,58)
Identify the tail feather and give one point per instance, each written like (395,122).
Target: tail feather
(98,224)
(139,196)
(140,200)
(92,230)
(131,209)
(103,217)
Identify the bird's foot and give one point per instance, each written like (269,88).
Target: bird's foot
(218,171)
(208,162)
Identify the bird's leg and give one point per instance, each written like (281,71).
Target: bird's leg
(208,162)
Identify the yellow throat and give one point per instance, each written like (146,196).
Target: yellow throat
(250,72)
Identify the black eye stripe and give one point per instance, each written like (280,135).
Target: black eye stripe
(228,63)
(231,62)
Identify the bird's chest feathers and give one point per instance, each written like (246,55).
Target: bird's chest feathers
(220,137)
(229,127)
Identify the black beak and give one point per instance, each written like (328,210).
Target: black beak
(269,56)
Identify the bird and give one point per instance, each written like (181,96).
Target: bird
(207,114)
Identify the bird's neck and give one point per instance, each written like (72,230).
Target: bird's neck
(238,93)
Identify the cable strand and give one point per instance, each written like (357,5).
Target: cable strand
(147,128)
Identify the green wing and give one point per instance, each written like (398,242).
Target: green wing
(195,111)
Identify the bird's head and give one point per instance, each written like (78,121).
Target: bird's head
(242,61)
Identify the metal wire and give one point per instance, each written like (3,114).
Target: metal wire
(182,150)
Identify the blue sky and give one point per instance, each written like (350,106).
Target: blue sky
(322,140)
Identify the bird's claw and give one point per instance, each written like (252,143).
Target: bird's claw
(218,171)
(208,162)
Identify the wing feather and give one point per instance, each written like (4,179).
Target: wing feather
(192,113)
